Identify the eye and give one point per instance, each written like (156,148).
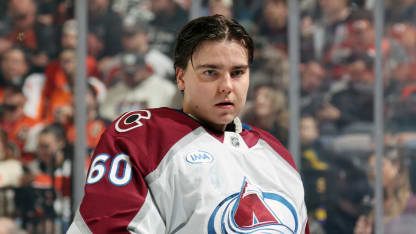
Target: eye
(237,73)
(210,72)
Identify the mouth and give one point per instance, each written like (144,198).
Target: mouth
(224,105)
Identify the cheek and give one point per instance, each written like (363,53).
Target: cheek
(388,174)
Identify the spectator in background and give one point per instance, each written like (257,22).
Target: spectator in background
(361,36)
(38,84)
(185,4)
(69,37)
(400,11)
(48,182)
(169,17)
(58,96)
(402,111)
(316,91)
(245,10)
(95,125)
(328,29)
(55,75)
(69,40)
(314,171)
(271,66)
(13,119)
(405,35)
(135,39)
(13,67)
(11,169)
(139,87)
(355,102)
(27,31)
(221,7)
(15,70)
(313,86)
(272,23)
(104,26)
(269,112)
(360,43)
(346,190)
(399,201)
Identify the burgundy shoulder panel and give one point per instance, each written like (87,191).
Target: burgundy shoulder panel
(152,132)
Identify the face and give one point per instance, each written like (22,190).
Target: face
(308,130)
(14,64)
(23,13)
(159,5)
(48,145)
(263,102)
(390,170)
(312,77)
(360,73)
(275,14)
(14,104)
(137,74)
(408,38)
(98,5)
(218,7)
(215,83)
(362,34)
(69,40)
(67,60)
(329,6)
(92,104)
(135,42)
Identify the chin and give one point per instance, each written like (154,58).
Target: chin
(226,119)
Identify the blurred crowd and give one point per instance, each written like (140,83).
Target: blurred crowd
(129,66)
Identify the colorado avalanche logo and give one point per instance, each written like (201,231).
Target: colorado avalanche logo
(131,120)
(253,211)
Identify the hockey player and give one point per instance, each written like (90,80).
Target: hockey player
(199,169)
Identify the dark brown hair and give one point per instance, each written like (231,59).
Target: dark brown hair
(209,28)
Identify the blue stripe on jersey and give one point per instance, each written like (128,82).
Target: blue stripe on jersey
(245,126)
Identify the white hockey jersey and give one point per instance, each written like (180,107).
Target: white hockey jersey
(160,171)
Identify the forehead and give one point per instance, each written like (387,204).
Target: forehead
(221,52)
(14,53)
(46,137)
(68,54)
(14,98)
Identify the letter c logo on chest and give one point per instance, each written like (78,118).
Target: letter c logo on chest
(131,120)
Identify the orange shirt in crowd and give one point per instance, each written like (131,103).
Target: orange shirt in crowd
(26,38)
(17,131)
(94,130)
(57,91)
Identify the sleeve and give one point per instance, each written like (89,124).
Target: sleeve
(117,199)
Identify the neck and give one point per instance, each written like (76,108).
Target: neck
(215,127)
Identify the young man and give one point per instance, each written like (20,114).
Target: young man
(198,170)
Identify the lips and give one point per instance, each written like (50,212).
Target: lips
(224,105)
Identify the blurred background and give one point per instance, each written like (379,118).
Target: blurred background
(129,66)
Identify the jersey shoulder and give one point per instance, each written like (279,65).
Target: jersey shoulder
(272,141)
(149,133)
(139,122)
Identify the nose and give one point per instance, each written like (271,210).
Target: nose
(226,84)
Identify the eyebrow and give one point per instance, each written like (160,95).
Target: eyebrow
(213,66)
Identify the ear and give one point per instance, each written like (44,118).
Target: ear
(180,78)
